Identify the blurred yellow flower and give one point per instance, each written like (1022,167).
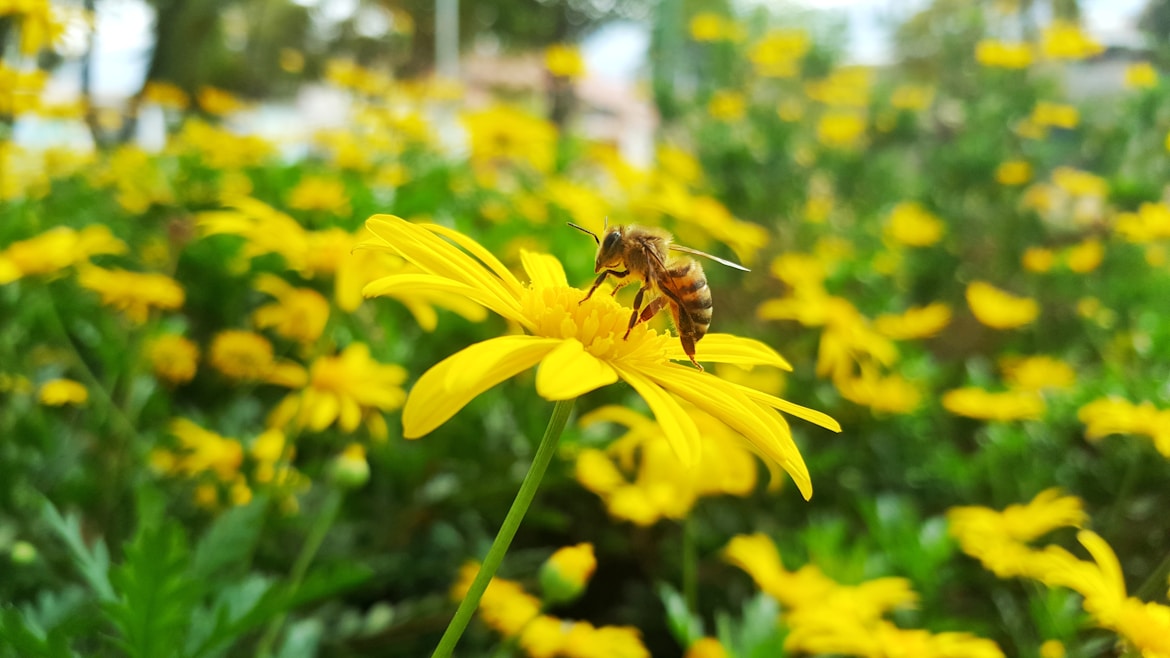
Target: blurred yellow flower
(218,101)
(709,26)
(248,356)
(165,94)
(679,163)
(204,451)
(503,134)
(1141,75)
(321,193)
(218,147)
(891,394)
(513,612)
(779,53)
(1057,115)
(1066,40)
(1013,172)
(1038,259)
(999,539)
(299,314)
(173,358)
(914,226)
(999,309)
(56,249)
(345,389)
(1144,627)
(706,647)
(1037,373)
(133,293)
(60,392)
(1085,256)
(727,105)
(912,97)
(564,60)
(579,346)
(841,129)
(663,487)
(1150,223)
(1106,416)
(1052,649)
(1000,54)
(845,87)
(974,402)
(292,60)
(914,323)
(825,617)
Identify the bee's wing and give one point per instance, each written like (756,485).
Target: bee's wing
(696,252)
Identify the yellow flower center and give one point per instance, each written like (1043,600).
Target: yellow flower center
(599,323)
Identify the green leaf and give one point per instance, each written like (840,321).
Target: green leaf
(156,594)
(229,541)
(20,636)
(271,600)
(684,626)
(93,563)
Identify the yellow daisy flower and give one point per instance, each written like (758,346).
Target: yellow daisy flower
(298,314)
(133,293)
(999,309)
(60,392)
(579,347)
(173,358)
(345,389)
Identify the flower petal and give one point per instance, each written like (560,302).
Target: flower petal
(569,371)
(453,382)
(766,431)
(804,413)
(677,425)
(413,285)
(439,257)
(543,270)
(613,413)
(726,348)
(477,250)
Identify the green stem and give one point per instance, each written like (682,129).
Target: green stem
(321,526)
(690,567)
(544,455)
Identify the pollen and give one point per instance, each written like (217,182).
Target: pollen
(599,323)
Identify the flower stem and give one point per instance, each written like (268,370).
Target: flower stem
(690,566)
(544,455)
(317,532)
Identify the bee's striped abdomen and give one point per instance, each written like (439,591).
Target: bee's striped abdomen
(689,283)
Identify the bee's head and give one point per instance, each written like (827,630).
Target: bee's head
(610,249)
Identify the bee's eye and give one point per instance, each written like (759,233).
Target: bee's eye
(611,240)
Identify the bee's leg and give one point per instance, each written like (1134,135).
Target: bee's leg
(650,311)
(637,305)
(685,326)
(601,279)
(688,345)
(618,286)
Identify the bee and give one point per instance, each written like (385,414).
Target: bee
(631,253)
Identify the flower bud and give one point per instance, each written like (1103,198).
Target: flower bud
(23,552)
(350,470)
(565,574)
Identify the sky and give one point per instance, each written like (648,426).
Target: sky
(123,39)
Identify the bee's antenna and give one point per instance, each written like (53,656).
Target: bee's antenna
(585,230)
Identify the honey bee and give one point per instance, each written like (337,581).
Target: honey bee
(631,253)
